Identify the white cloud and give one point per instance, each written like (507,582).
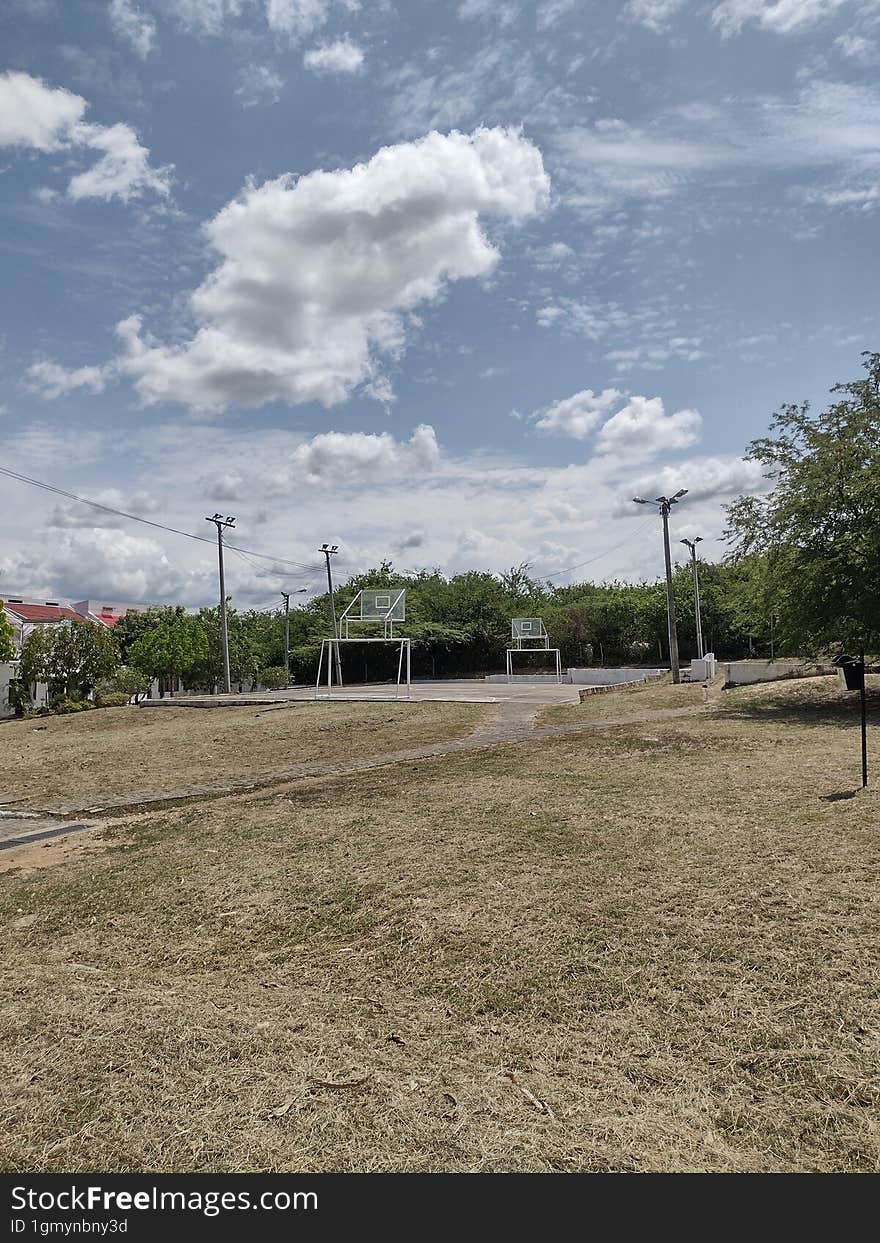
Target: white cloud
(827,125)
(206,16)
(296,17)
(553,255)
(649,356)
(123,171)
(485,510)
(856,47)
(705,478)
(107,561)
(642,428)
(577,415)
(137,28)
(654,14)
(74,514)
(502,11)
(782,16)
(359,456)
(341,56)
(317,275)
(49,119)
(52,380)
(258,84)
(35,115)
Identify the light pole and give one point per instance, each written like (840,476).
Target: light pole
(220,522)
(664,504)
(692,545)
(330,550)
(285,595)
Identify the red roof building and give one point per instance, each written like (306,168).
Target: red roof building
(41,612)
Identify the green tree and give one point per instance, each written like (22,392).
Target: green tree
(818,527)
(7,637)
(71,657)
(171,649)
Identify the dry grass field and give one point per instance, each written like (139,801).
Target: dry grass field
(653,947)
(628,701)
(122,750)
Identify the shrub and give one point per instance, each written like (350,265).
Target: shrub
(112,699)
(64,706)
(274,678)
(19,697)
(130,681)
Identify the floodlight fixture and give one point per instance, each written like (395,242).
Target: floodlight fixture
(664,507)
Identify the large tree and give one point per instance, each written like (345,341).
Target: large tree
(170,649)
(818,526)
(71,657)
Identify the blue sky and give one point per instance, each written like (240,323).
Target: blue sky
(444,282)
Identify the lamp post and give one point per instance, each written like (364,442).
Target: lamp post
(692,545)
(330,550)
(664,505)
(285,595)
(220,522)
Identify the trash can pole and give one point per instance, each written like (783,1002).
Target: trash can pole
(862,696)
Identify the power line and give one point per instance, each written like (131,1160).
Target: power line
(599,556)
(121,513)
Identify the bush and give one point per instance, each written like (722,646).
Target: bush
(274,678)
(64,706)
(19,697)
(131,681)
(112,699)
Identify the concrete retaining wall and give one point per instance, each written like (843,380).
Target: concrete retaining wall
(621,676)
(527,677)
(586,691)
(747,672)
(598,676)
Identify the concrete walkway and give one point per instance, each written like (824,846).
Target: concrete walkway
(512,721)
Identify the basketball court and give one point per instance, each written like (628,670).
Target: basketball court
(464,690)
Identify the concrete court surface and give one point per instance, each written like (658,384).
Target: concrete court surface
(465,690)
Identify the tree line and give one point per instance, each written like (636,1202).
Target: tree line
(800,576)
(459,627)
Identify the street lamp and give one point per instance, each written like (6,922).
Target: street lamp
(285,595)
(664,504)
(692,545)
(330,550)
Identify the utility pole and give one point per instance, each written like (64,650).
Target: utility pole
(285,595)
(692,545)
(664,505)
(330,550)
(220,522)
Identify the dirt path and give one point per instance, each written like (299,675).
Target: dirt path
(512,721)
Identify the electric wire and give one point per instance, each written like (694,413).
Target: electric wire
(598,557)
(161,526)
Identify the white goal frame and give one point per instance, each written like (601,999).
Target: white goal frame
(404,663)
(531,651)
